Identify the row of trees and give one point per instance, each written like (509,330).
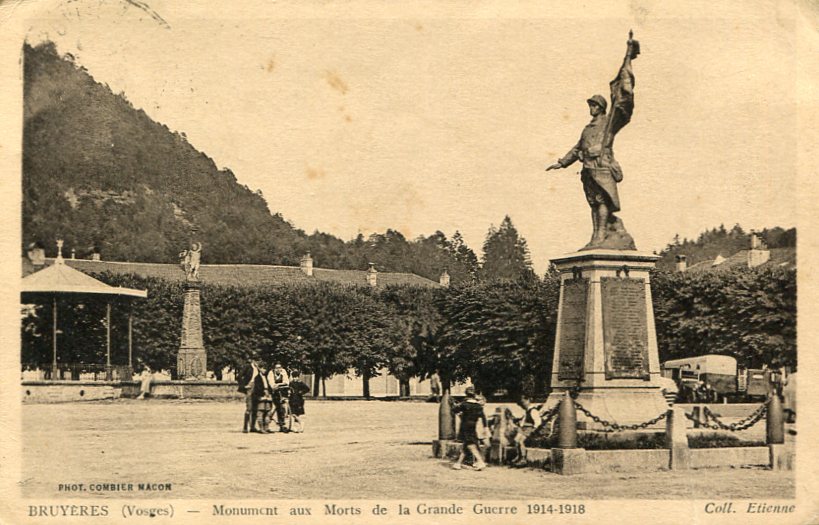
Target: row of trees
(498,333)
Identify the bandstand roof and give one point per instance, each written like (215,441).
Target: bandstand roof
(61,278)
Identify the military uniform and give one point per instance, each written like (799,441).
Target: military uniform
(601,172)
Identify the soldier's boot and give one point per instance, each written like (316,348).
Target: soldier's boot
(247,421)
(594,238)
(600,224)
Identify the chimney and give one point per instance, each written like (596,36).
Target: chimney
(372,275)
(443,280)
(759,253)
(95,254)
(36,254)
(306,265)
(682,265)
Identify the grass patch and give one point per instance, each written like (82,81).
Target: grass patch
(639,441)
(720,441)
(601,441)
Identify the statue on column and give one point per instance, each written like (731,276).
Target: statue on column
(601,172)
(189,261)
(191,362)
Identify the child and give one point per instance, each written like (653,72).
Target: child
(471,411)
(526,425)
(298,389)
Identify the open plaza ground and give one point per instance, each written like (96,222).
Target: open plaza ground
(350,450)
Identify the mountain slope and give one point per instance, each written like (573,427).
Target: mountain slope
(97,171)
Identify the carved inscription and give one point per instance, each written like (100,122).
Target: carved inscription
(625,330)
(572,329)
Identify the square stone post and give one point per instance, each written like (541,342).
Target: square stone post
(676,440)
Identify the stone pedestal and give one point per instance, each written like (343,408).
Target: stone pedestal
(192,361)
(568,461)
(606,344)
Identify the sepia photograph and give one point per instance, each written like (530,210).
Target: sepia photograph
(372,262)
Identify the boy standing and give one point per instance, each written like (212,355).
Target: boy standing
(526,425)
(298,389)
(471,411)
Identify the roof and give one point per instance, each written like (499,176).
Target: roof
(246,274)
(779,257)
(61,278)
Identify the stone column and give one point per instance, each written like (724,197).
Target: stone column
(191,363)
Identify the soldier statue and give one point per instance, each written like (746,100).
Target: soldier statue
(601,172)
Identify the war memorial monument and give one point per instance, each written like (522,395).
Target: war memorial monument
(605,344)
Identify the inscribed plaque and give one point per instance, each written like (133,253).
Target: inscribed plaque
(572,329)
(625,328)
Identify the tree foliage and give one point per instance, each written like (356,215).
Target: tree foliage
(500,334)
(720,241)
(505,254)
(747,314)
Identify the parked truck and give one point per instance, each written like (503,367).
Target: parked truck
(714,378)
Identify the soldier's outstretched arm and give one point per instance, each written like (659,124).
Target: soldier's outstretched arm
(568,159)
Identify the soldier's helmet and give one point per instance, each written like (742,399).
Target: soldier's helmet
(599,100)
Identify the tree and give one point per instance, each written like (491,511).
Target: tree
(466,262)
(747,314)
(418,322)
(505,254)
(500,334)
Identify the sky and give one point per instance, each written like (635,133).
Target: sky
(354,117)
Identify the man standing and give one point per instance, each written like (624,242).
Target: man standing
(249,385)
(601,172)
(279,386)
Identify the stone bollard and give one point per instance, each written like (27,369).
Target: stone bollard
(775,421)
(698,415)
(446,420)
(497,453)
(446,428)
(567,423)
(775,434)
(676,440)
(567,459)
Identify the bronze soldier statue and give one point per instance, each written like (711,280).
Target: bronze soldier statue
(601,172)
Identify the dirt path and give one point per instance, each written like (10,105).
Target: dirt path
(352,449)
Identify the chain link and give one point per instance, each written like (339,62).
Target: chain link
(746,423)
(615,427)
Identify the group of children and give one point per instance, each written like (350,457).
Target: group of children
(474,430)
(271,389)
